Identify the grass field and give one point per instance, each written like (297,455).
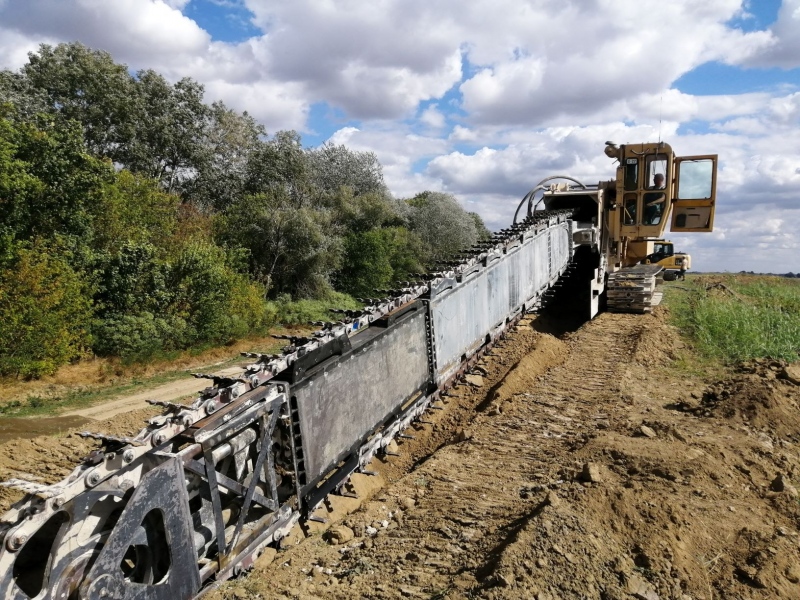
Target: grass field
(737,317)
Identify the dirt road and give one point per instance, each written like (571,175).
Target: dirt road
(589,470)
(169,392)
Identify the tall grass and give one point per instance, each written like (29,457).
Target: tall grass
(734,318)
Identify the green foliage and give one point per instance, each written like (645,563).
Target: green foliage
(199,299)
(292,249)
(133,279)
(132,210)
(334,167)
(139,337)
(218,303)
(44,311)
(170,125)
(375,258)
(88,87)
(230,143)
(443,226)
(49,184)
(740,319)
(357,213)
(366,266)
(302,312)
(280,168)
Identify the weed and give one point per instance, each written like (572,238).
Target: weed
(36,401)
(732,318)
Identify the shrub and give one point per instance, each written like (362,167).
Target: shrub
(139,337)
(45,312)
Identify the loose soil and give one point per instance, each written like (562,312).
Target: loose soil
(579,467)
(573,464)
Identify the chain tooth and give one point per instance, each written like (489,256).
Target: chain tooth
(110,439)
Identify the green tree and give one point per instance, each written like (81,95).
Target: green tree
(280,167)
(217,302)
(361,212)
(133,208)
(333,167)
(45,310)
(87,86)
(24,100)
(292,249)
(170,130)
(49,185)
(376,258)
(366,265)
(231,140)
(443,226)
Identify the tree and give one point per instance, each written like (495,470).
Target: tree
(230,141)
(86,86)
(49,185)
(333,167)
(168,143)
(133,208)
(376,258)
(44,310)
(24,100)
(292,248)
(280,167)
(480,227)
(366,264)
(443,226)
(361,212)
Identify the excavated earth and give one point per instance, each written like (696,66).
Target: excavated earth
(577,464)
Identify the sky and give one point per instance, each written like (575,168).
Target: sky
(484,98)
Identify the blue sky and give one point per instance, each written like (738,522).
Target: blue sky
(483,99)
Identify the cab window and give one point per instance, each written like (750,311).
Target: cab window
(631,174)
(696,178)
(665,249)
(656,164)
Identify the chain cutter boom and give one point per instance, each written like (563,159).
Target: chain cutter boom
(204,487)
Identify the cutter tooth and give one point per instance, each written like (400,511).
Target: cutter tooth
(110,439)
(169,405)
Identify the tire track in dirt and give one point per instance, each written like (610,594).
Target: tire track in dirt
(442,526)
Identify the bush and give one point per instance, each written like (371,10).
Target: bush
(139,337)
(303,312)
(219,303)
(45,312)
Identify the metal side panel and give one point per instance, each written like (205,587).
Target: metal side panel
(343,403)
(463,316)
(460,320)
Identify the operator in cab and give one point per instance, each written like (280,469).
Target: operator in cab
(654,202)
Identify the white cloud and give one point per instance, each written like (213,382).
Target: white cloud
(177,4)
(433,117)
(504,92)
(783,49)
(134,31)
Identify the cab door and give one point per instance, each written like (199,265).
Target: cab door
(694,199)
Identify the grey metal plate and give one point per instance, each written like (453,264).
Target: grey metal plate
(466,314)
(348,398)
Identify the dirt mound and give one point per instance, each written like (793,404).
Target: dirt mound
(49,459)
(763,395)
